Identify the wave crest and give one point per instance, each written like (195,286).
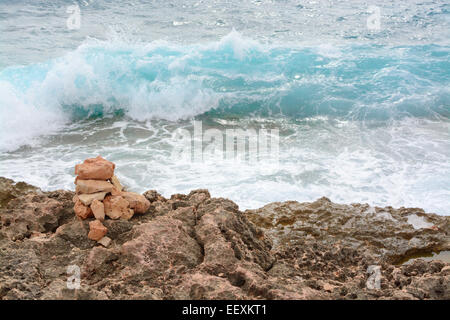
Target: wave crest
(234,75)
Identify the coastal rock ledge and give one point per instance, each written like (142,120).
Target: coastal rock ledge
(197,247)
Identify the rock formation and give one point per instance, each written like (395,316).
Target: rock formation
(99,194)
(194,246)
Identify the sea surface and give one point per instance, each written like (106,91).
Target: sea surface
(361,105)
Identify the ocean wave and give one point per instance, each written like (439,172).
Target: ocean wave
(235,76)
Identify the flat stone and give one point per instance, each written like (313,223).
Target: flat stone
(87,199)
(93,186)
(105,241)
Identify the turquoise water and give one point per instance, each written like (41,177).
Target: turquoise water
(362,116)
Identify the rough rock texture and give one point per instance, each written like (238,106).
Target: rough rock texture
(116,206)
(388,234)
(197,247)
(332,246)
(10,190)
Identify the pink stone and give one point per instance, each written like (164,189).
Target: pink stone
(98,208)
(97,230)
(137,201)
(82,211)
(95,169)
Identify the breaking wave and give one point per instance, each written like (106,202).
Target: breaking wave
(233,77)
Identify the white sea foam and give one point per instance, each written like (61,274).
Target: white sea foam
(342,162)
(22,122)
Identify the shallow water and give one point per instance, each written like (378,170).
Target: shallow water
(362,116)
(443,256)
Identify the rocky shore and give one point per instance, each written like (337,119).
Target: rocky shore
(197,247)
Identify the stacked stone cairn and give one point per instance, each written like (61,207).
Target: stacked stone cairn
(99,195)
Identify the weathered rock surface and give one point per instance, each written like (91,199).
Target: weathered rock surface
(388,234)
(10,190)
(197,247)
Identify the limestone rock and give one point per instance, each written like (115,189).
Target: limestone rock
(98,209)
(96,230)
(137,201)
(115,181)
(159,245)
(10,190)
(82,211)
(73,233)
(153,195)
(118,229)
(35,212)
(95,169)
(384,232)
(98,261)
(93,186)
(197,247)
(116,192)
(87,199)
(116,206)
(105,241)
(227,237)
(127,215)
(199,286)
